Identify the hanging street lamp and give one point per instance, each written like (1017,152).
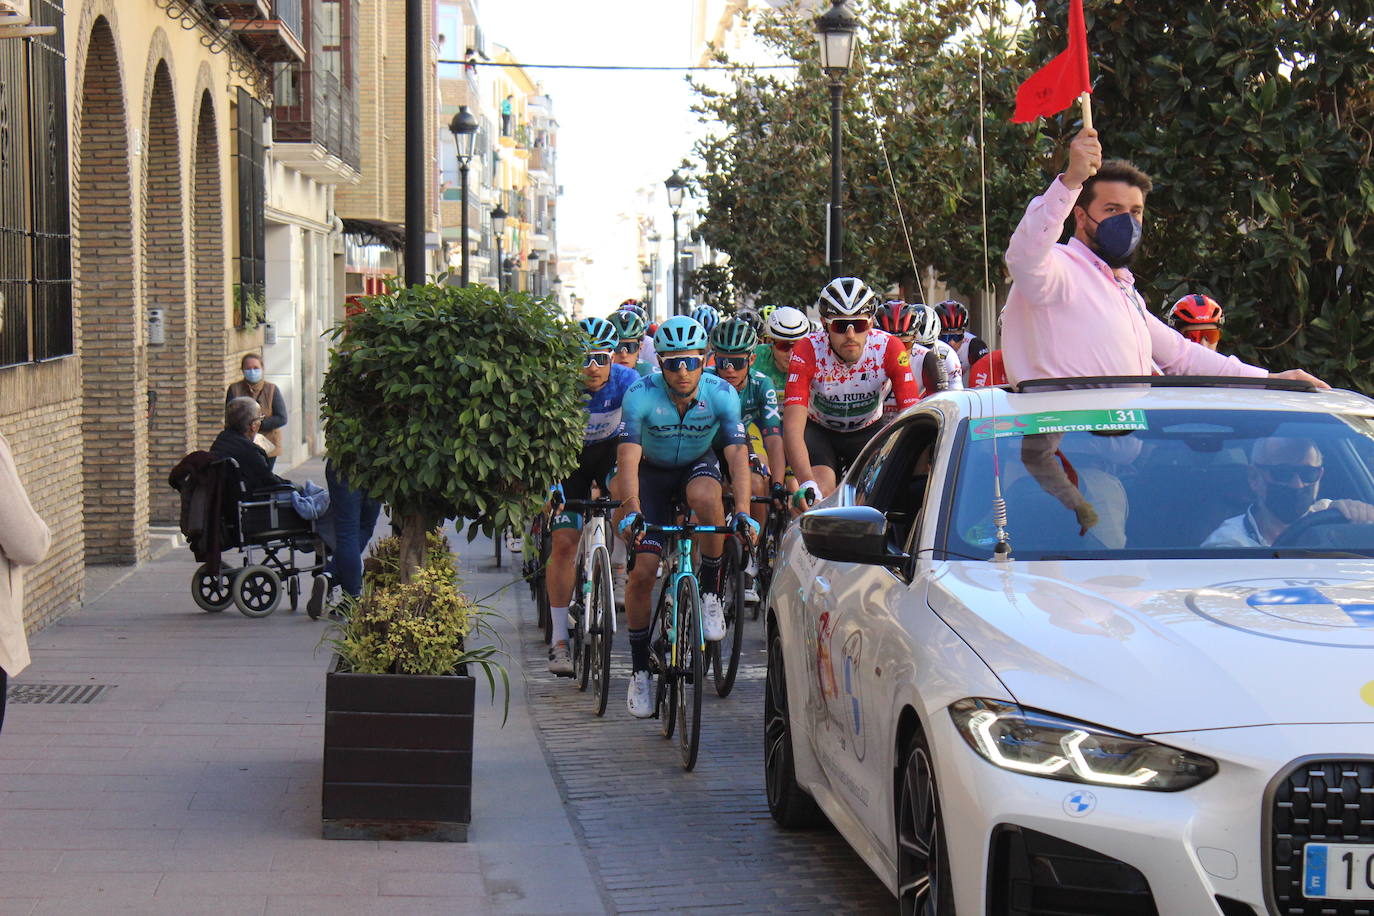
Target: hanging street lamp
(835,32)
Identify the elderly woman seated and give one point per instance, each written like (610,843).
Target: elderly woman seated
(242,418)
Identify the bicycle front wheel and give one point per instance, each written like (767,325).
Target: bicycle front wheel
(601,629)
(665,696)
(577,627)
(545,619)
(725,654)
(690,677)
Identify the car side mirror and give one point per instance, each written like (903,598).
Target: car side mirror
(850,534)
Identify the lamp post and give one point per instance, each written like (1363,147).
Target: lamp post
(835,31)
(676,188)
(498,224)
(647,272)
(532,265)
(464,130)
(654,238)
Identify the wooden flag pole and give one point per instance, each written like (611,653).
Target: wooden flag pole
(1086,100)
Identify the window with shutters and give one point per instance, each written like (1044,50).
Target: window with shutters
(250,290)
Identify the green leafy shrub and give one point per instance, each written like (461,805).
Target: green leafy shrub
(383,566)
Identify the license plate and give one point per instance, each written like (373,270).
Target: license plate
(1338,871)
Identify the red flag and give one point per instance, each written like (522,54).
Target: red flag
(1054,86)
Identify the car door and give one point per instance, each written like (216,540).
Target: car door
(857,609)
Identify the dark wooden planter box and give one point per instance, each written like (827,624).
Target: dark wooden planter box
(397,756)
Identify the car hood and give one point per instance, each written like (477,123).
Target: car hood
(1177,645)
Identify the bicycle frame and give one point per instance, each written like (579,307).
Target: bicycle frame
(677,566)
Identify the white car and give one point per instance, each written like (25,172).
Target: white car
(1150,689)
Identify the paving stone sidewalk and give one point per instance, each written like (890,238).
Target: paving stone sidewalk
(192,785)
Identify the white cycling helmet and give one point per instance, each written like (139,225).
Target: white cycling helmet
(787,323)
(846,297)
(925,325)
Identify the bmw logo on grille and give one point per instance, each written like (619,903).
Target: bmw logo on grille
(1322,612)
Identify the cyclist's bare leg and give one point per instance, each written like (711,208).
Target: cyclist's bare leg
(639,590)
(760,510)
(825,476)
(558,578)
(704,497)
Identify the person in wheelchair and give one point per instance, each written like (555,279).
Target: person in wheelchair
(242,420)
(1285,476)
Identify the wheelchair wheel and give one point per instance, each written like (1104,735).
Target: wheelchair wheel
(257,589)
(213,593)
(293,592)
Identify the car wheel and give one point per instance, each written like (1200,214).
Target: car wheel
(790,804)
(924,887)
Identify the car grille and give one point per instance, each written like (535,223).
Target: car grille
(1324,801)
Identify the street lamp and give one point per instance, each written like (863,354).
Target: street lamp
(647,272)
(532,265)
(464,130)
(835,31)
(498,224)
(654,238)
(676,188)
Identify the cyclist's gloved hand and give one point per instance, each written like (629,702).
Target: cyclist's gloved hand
(630,527)
(745,524)
(779,493)
(806,494)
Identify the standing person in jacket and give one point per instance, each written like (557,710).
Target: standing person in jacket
(24,540)
(1074,310)
(269,399)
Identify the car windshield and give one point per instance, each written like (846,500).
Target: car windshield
(1117,484)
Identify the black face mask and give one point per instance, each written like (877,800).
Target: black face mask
(1288,504)
(1116,239)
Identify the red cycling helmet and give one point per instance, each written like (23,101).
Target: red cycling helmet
(1196,308)
(953,315)
(896,317)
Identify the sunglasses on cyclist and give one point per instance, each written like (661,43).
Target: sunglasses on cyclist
(952,336)
(1203,335)
(1307,474)
(627,346)
(733,363)
(784,345)
(597,359)
(843,325)
(680,363)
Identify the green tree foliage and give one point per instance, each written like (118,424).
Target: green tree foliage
(451,402)
(1254,119)
(764,172)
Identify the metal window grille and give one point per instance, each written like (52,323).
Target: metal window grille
(250,293)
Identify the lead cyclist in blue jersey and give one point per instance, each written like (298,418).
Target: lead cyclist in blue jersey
(606,385)
(671,423)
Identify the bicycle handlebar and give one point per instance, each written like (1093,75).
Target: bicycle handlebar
(591,505)
(688,529)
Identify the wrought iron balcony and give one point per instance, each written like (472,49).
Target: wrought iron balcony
(275,38)
(239,9)
(324,114)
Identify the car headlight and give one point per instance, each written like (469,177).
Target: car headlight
(1039,744)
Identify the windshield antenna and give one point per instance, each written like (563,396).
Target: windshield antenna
(1001,552)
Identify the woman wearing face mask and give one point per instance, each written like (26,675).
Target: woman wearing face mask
(1073,310)
(269,399)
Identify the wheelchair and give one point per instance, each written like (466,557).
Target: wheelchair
(268,533)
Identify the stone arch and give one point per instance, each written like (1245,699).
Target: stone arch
(209,312)
(164,288)
(114,419)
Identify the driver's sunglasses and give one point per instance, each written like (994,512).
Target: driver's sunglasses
(597,359)
(1203,335)
(784,345)
(733,363)
(627,346)
(844,325)
(680,363)
(1307,474)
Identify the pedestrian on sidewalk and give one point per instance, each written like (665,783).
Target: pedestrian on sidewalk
(354,517)
(24,541)
(1073,309)
(269,398)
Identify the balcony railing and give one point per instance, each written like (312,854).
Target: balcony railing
(274,39)
(325,112)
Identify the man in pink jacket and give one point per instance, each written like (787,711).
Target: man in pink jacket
(1073,310)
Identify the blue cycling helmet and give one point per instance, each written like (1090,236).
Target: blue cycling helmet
(598,334)
(679,333)
(706,316)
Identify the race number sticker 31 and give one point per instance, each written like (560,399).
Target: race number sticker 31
(1064,421)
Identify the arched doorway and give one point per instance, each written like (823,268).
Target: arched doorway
(114,413)
(164,288)
(207,267)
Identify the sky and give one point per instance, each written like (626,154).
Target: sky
(618,131)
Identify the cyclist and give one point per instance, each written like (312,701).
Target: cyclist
(988,371)
(954,320)
(785,327)
(1198,318)
(671,420)
(941,369)
(630,329)
(733,343)
(751,317)
(836,385)
(708,316)
(606,385)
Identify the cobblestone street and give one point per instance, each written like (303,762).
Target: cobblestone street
(659,838)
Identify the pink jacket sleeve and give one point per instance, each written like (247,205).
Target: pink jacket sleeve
(24,538)
(1177,355)
(1039,277)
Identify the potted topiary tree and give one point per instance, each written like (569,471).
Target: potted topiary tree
(444,402)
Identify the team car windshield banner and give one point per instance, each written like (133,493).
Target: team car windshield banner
(1063,421)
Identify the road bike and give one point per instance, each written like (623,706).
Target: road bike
(592,610)
(770,542)
(536,562)
(678,659)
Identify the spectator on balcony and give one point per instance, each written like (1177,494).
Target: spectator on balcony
(470,62)
(507,109)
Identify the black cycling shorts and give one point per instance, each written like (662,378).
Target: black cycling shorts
(837,450)
(594,466)
(662,489)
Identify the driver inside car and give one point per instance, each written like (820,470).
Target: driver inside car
(1285,476)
